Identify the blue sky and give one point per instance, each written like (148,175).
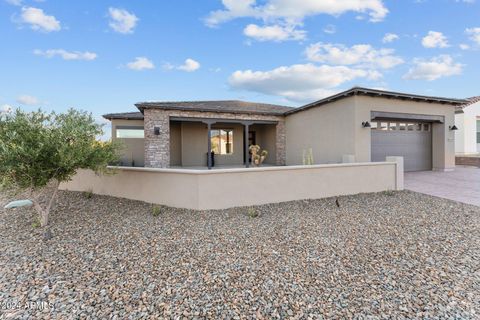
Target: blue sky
(103,56)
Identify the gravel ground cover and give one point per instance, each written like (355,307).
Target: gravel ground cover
(396,255)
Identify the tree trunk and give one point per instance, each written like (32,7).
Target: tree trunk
(44,213)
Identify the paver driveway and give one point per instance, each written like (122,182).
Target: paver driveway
(462,184)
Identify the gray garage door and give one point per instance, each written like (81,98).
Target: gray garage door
(412,141)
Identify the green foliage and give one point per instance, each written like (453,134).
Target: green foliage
(156,211)
(389,193)
(308,157)
(88,194)
(252,212)
(38,147)
(36,224)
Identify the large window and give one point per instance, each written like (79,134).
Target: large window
(129,132)
(478,131)
(222,141)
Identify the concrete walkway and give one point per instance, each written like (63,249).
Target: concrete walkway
(462,185)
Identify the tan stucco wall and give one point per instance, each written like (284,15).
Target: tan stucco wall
(443,145)
(327,129)
(134,149)
(335,129)
(219,189)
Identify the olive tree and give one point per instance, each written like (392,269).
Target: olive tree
(39,150)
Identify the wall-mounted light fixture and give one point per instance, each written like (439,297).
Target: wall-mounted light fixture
(156,131)
(366,124)
(453,128)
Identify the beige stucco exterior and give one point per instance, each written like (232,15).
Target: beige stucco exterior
(220,189)
(334,129)
(328,130)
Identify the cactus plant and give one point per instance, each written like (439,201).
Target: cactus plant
(258,155)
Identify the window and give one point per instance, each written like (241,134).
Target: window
(402,126)
(222,141)
(383,126)
(392,126)
(426,127)
(410,126)
(127,132)
(478,131)
(374,125)
(418,127)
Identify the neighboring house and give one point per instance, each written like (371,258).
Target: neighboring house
(467,120)
(364,124)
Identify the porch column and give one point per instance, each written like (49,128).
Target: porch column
(246,124)
(209,142)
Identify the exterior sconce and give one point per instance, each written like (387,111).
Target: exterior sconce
(453,128)
(156,131)
(366,124)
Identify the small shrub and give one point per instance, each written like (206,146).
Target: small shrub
(252,212)
(156,210)
(389,193)
(88,194)
(36,224)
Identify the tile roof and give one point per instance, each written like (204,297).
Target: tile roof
(471,101)
(228,106)
(125,116)
(379,93)
(236,106)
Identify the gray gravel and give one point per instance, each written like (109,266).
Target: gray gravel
(378,256)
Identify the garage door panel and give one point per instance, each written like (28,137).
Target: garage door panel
(414,146)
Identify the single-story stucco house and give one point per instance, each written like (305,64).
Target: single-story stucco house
(360,125)
(467,120)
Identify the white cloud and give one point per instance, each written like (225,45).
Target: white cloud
(362,55)
(464,46)
(299,82)
(38,20)
(330,29)
(433,69)
(6,108)
(435,39)
(121,20)
(289,14)
(141,63)
(189,65)
(14,2)
(66,55)
(27,100)
(474,34)
(294,10)
(390,37)
(273,33)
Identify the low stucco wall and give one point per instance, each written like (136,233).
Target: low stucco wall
(219,189)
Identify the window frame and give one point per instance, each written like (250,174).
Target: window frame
(130,128)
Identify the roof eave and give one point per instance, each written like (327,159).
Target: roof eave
(142,108)
(378,93)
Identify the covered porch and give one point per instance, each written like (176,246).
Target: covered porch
(226,141)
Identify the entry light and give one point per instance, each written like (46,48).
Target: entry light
(453,128)
(156,131)
(366,124)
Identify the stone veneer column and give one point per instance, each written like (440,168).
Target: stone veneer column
(280,143)
(157,147)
